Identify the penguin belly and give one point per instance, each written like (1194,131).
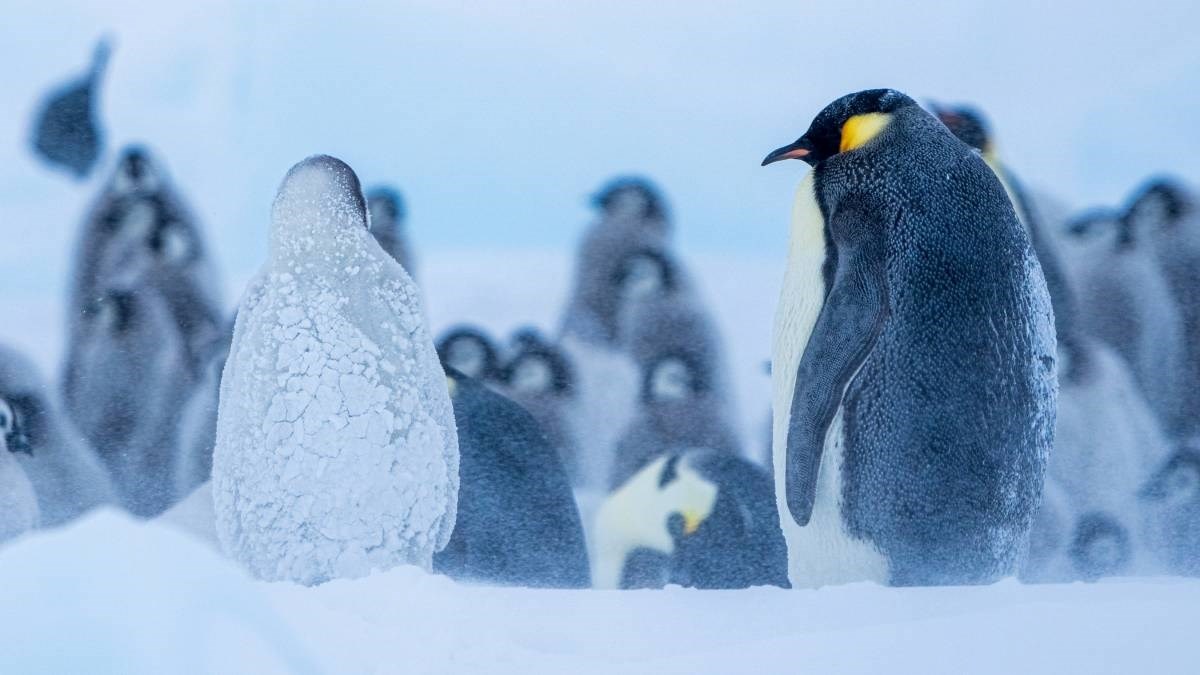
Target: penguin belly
(822,552)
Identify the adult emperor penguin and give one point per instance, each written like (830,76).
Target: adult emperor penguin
(336,449)
(388,216)
(697,518)
(18,501)
(914,359)
(539,377)
(66,473)
(969,125)
(517,520)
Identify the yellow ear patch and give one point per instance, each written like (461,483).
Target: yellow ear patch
(860,129)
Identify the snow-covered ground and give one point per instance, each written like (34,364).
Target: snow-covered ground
(112,595)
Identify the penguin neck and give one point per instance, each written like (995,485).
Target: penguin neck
(319,234)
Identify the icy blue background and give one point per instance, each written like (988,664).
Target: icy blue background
(497,119)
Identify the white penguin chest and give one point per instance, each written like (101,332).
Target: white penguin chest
(822,552)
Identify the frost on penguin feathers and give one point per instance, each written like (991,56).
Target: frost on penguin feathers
(336,449)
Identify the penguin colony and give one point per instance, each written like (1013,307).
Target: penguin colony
(963,388)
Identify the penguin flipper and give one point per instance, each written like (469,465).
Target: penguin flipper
(843,336)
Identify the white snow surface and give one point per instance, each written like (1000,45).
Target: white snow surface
(336,451)
(163,602)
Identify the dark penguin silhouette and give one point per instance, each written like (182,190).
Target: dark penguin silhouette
(66,132)
(698,518)
(517,521)
(1101,546)
(470,351)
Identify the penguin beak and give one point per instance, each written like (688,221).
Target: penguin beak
(798,150)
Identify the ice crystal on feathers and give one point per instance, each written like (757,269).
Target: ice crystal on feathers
(336,446)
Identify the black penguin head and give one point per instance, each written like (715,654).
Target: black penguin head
(644,273)
(538,368)
(1162,203)
(967,124)
(1100,547)
(12,429)
(469,351)
(1093,224)
(673,377)
(845,125)
(387,209)
(136,172)
(630,197)
(1178,481)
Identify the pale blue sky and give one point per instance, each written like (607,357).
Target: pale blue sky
(498,121)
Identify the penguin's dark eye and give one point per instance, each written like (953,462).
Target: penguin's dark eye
(676,525)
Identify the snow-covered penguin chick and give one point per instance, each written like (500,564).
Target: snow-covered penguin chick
(336,450)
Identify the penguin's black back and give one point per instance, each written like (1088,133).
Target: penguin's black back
(740,544)
(517,520)
(949,420)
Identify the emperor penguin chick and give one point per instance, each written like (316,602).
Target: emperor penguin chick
(336,448)
(66,473)
(1126,302)
(388,216)
(539,377)
(914,359)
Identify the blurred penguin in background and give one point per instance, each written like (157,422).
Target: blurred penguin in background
(388,223)
(18,501)
(127,380)
(678,410)
(198,427)
(66,132)
(698,518)
(663,314)
(1168,213)
(1173,492)
(470,351)
(539,377)
(67,476)
(632,217)
(1107,441)
(141,229)
(1126,302)
(517,522)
